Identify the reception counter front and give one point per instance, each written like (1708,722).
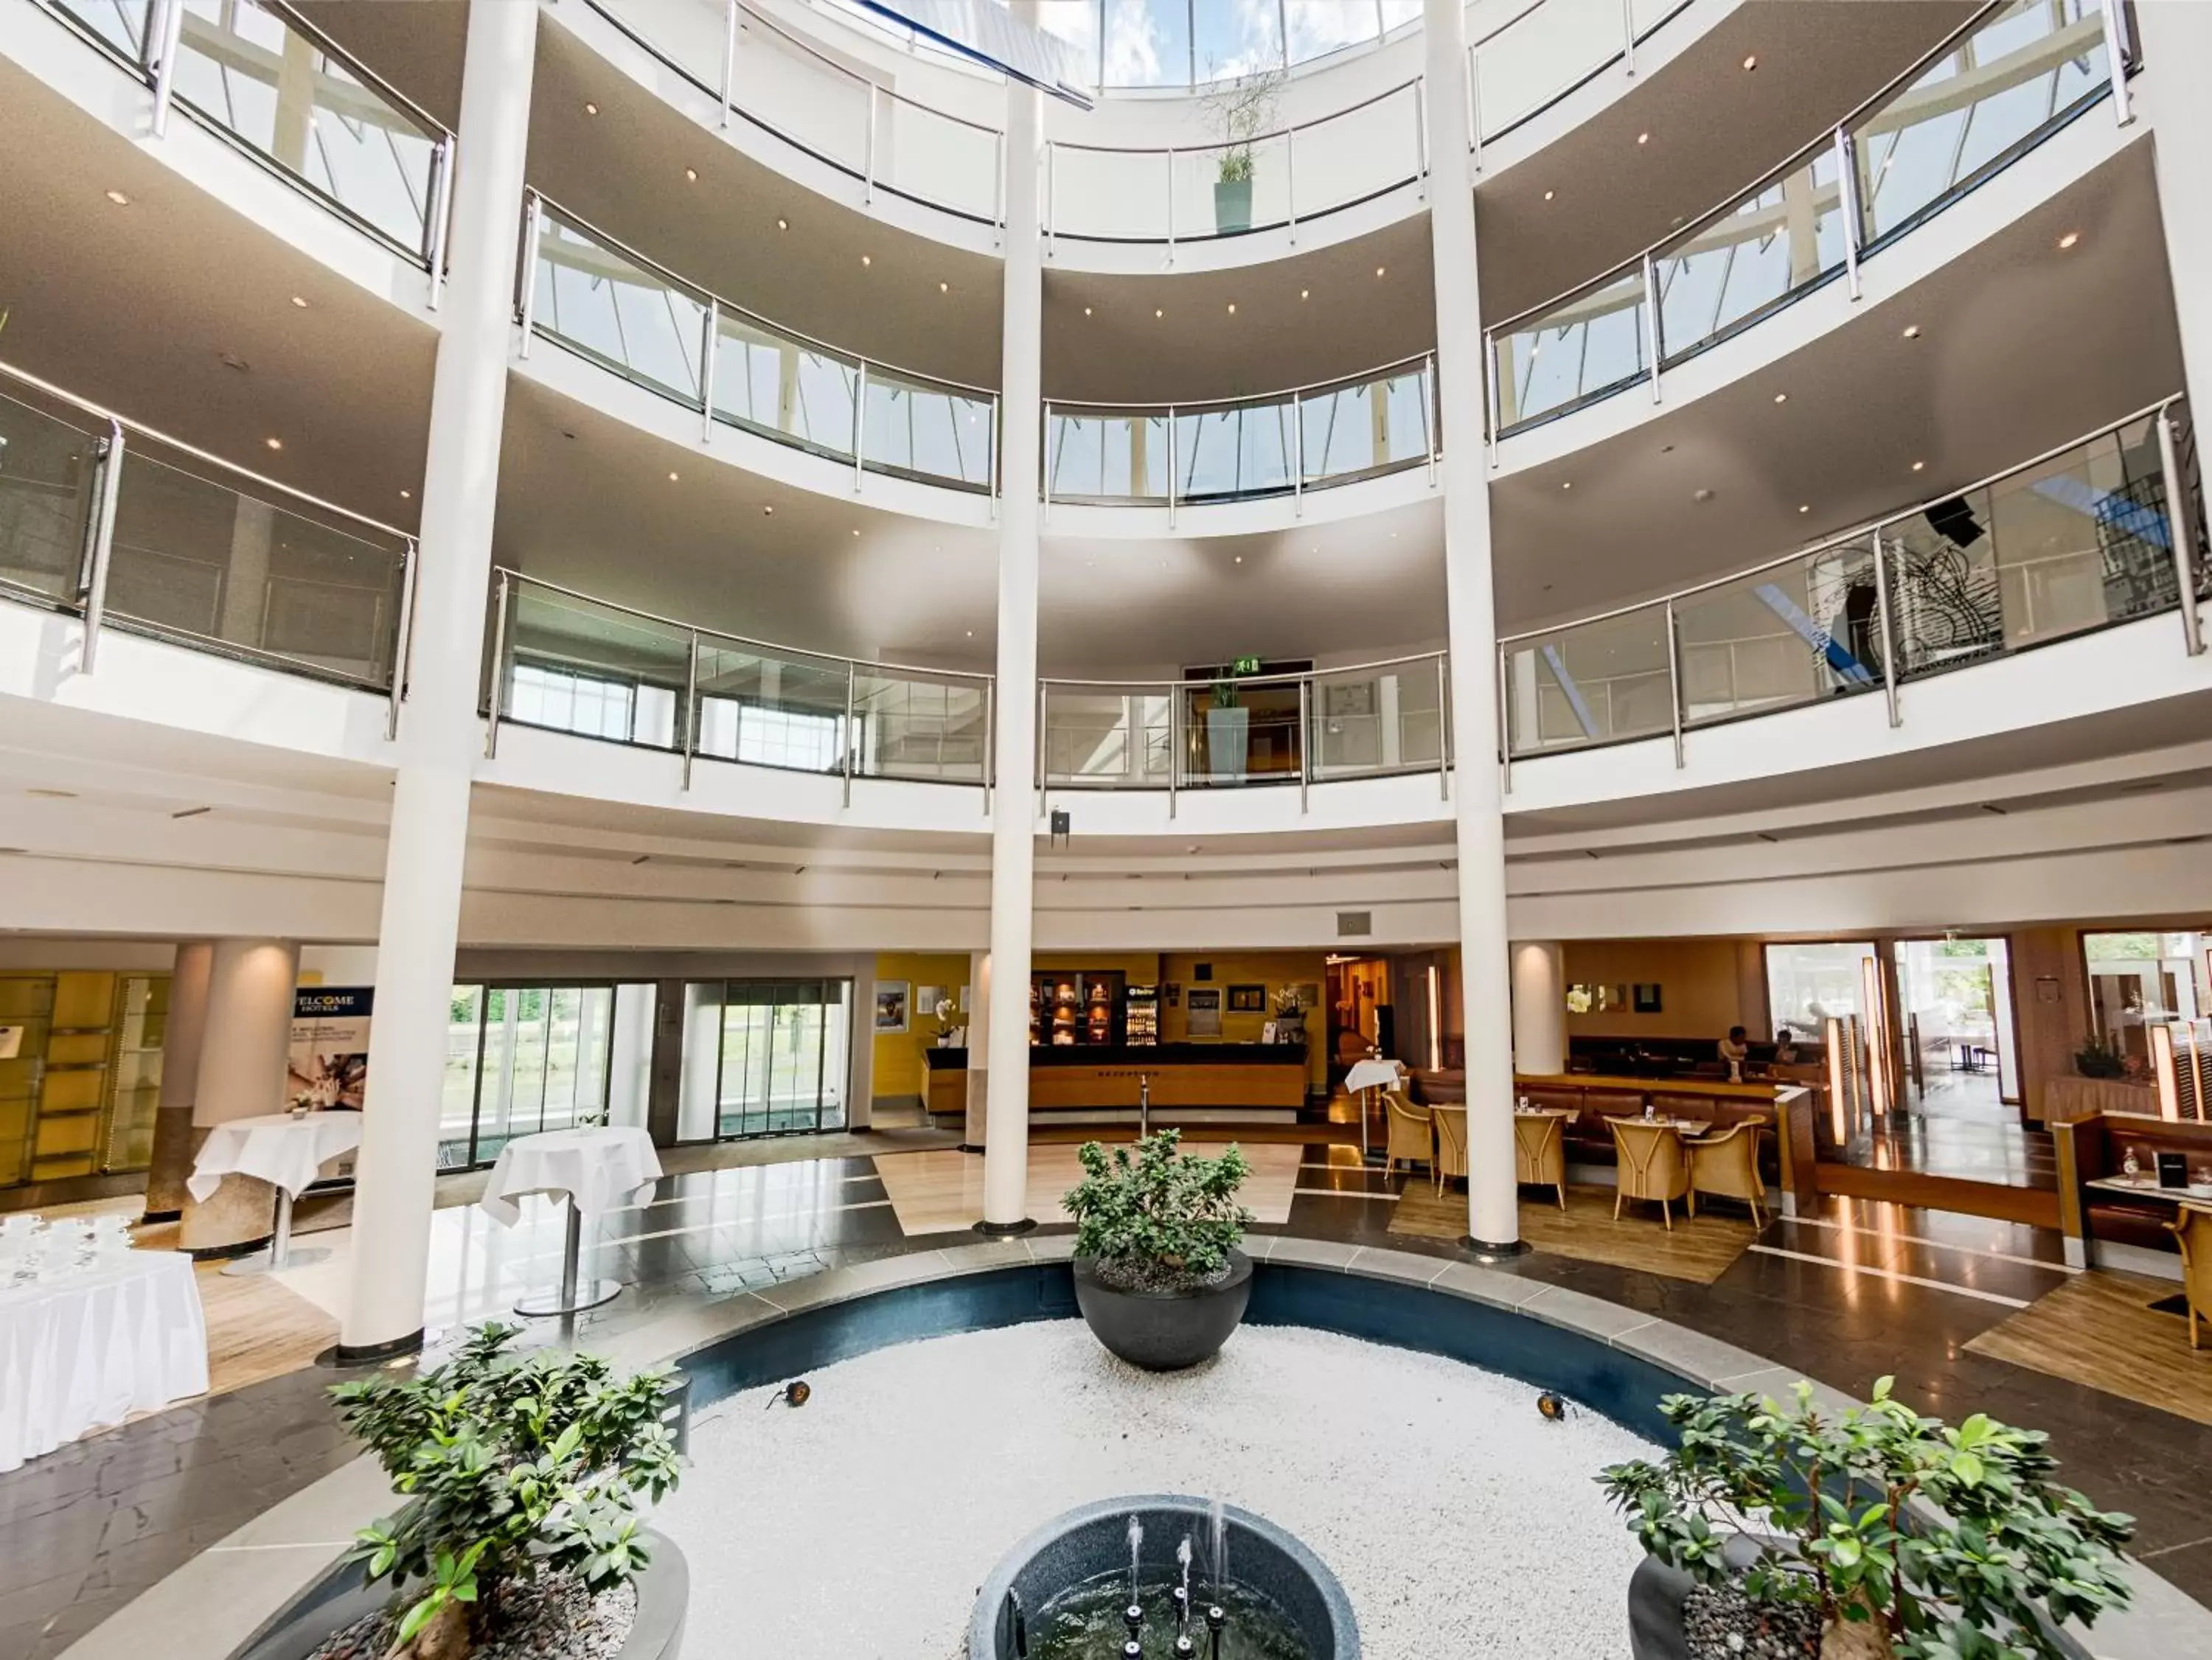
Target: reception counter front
(1103,1083)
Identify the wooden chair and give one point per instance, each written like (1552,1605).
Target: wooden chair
(1413,1136)
(2192,1231)
(1451,1143)
(1540,1154)
(1651,1165)
(1727,1165)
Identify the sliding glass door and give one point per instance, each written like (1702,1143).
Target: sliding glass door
(524,1058)
(764,1057)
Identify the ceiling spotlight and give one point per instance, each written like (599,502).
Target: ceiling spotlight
(972,633)
(868,259)
(691,173)
(768,510)
(1086,311)
(273,443)
(856,533)
(1548,195)
(590,109)
(2065,241)
(1644,138)
(945,287)
(119,198)
(1782,397)
(300,300)
(1305,293)
(1240,558)
(1804,507)
(783,224)
(1913,331)
(1233,308)
(1157,311)
(1752,61)
(1919,466)
(1379,270)
(407,495)
(672,478)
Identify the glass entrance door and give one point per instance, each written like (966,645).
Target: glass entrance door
(764,1057)
(524,1058)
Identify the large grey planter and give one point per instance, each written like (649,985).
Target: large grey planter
(1228,744)
(1232,206)
(1163,1331)
(339,1598)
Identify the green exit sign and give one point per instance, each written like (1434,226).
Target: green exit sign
(1245,666)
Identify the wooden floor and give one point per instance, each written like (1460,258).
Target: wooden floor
(2099,1330)
(1699,1250)
(934,1192)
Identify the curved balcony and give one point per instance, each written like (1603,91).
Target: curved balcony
(111,521)
(263,80)
(2107,531)
(583,290)
(2015,74)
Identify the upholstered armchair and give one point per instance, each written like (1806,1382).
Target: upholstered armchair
(1451,1143)
(1540,1153)
(1727,1165)
(1651,1165)
(1413,1137)
(2192,1231)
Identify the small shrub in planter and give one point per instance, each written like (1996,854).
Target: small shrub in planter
(2096,1058)
(1904,1536)
(513,1466)
(1158,1274)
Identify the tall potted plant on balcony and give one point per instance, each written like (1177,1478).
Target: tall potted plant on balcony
(1228,731)
(1241,108)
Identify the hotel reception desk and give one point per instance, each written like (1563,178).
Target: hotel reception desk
(1191,1082)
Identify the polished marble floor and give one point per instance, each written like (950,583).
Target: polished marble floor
(1850,1292)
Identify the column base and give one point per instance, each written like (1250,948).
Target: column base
(370,1354)
(153,1217)
(1483,1251)
(965,1147)
(219,1253)
(1005,1230)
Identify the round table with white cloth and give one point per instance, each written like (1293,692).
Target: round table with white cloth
(601,1167)
(81,1353)
(1373,1073)
(284,1150)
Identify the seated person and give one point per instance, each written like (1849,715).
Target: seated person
(1785,1047)
(1734,1050)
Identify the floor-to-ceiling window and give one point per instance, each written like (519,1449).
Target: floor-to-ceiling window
(764,1057)
(1961,1052)
(1809,981)
(2142,979)
(524,1058)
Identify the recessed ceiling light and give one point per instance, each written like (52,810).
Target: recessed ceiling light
(119,198)
(856,533)
(1233,308)
(972,633)
(590,109)
(768,510)
(273,443)
(1804,507)
(783,224)
(2070,238)
(672,478)
(1913,331)
(1158,311)
(1919,466)
(1240,558)
(1566,484)
(300,300)
(1752,61)
(1086,311)
(868,259)
(1644,138)
(691,173)
(1548,195)
(407,495)
(1782,397)
(1379,270)
(1305,293)
(945,287)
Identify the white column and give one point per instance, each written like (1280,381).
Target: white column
(245,1045)
(1013,812)
(440,737)
(1493,1217)
(973,1128)
(2177,43)
(246,579)
(1540,1008)
(182,1036)
(860,1052)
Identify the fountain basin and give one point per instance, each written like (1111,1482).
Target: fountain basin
(1092,1543)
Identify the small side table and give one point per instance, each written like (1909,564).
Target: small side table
(283,1151)
(596,1168)
(1366,1075)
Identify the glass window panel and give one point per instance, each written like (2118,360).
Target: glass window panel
(1101,735)
(1236,37)
(1318,28)
(579,666)
(927,430)
(630,1054)
(457,1100)
(1377,721)
(698,1093)
(1370,426)
(529,1070)
(1148,43)
(918,729)
(1808,983)
(1244,450)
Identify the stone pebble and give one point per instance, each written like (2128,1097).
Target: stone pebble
(553,1618)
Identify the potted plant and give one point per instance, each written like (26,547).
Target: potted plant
(1872,1534)
(2096,1058)
(1241,109)
(1289,1015)
(1228,731)
(1158,1274)
(522,1475)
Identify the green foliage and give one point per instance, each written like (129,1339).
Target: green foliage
(1953,1540)
(511,1465)
(1164,1221)
(2096,1058)
(1241,108)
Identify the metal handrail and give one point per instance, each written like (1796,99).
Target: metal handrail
(730,308)
(1063,406)
(1684,232)
(1842,538)
(359,71)
(262,480)
(766,647)
(1243,680)
(851,74)
(1256,138)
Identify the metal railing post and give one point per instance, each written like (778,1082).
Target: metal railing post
(1847,182)
(729,59)
(1444,731)
(1305,739)
(1297,456)
(1474,115)
(94,593)
(852,672)
(498,704)
(1044,756)
(1044,465)
(1051,200)
(994,454)
(860,404)
(1882,622)
(990,741)
(998,186)
(1171,467)
(1628,36)
(439,224)
(1505,730)
(1175,740)
(868,153)
(1491,426)
(1421,139)
(1431,415)
(1651,309)
(403,639)
(1170,204)
(2181,531)
(1290,179)
(691,708)
(707,355)
(2116,58)
(533,222)
(170,32)
(1674,684)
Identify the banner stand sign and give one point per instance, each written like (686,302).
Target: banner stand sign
(329,1065)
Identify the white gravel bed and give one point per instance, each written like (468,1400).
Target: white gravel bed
(859,1525)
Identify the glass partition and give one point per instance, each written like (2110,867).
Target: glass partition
(913,726)
(1107,455)
(926,430)
(1357,153)
(198,560)
(1368,722)
(1590,683)
(1230,454)
(1779,637)
(1367,427)
(1109,196)
(1578,350)
(781,389)
(771,708)
(936,158)
(1990,96)
(1108,737)
(254,73)
(49,468)
(1540,55)
(1781,240)
(625,316)
(120,23)
(576,665)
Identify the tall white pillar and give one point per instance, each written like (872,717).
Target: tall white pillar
(1013,817)
(2176,45)
(1470,610)
(171,1162)
(245,1046)
(1540,1008)
(439,738)
(973,1128)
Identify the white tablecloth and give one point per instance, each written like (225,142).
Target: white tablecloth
(602,1168)
(1374,1075)
(275,1146)
(78,1354)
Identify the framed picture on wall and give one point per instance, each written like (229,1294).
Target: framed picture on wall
(890,1005)
(1248,999)
(1205,1013)
(1647,997)
(927,999)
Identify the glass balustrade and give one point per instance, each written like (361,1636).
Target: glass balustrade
(1777,242)
(574,664)
(1366,722)
(120,23)
(49,475)
(1109,196)
(910,726)
(634,318)
(1107,455)
(1377,424)
(1540,56)
(1574,352)
(1108,737)
(1357,155)
(2076,540)
(1231,454)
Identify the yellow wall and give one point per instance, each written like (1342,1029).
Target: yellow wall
(1273,969)
(900,1068)
(1705,986)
